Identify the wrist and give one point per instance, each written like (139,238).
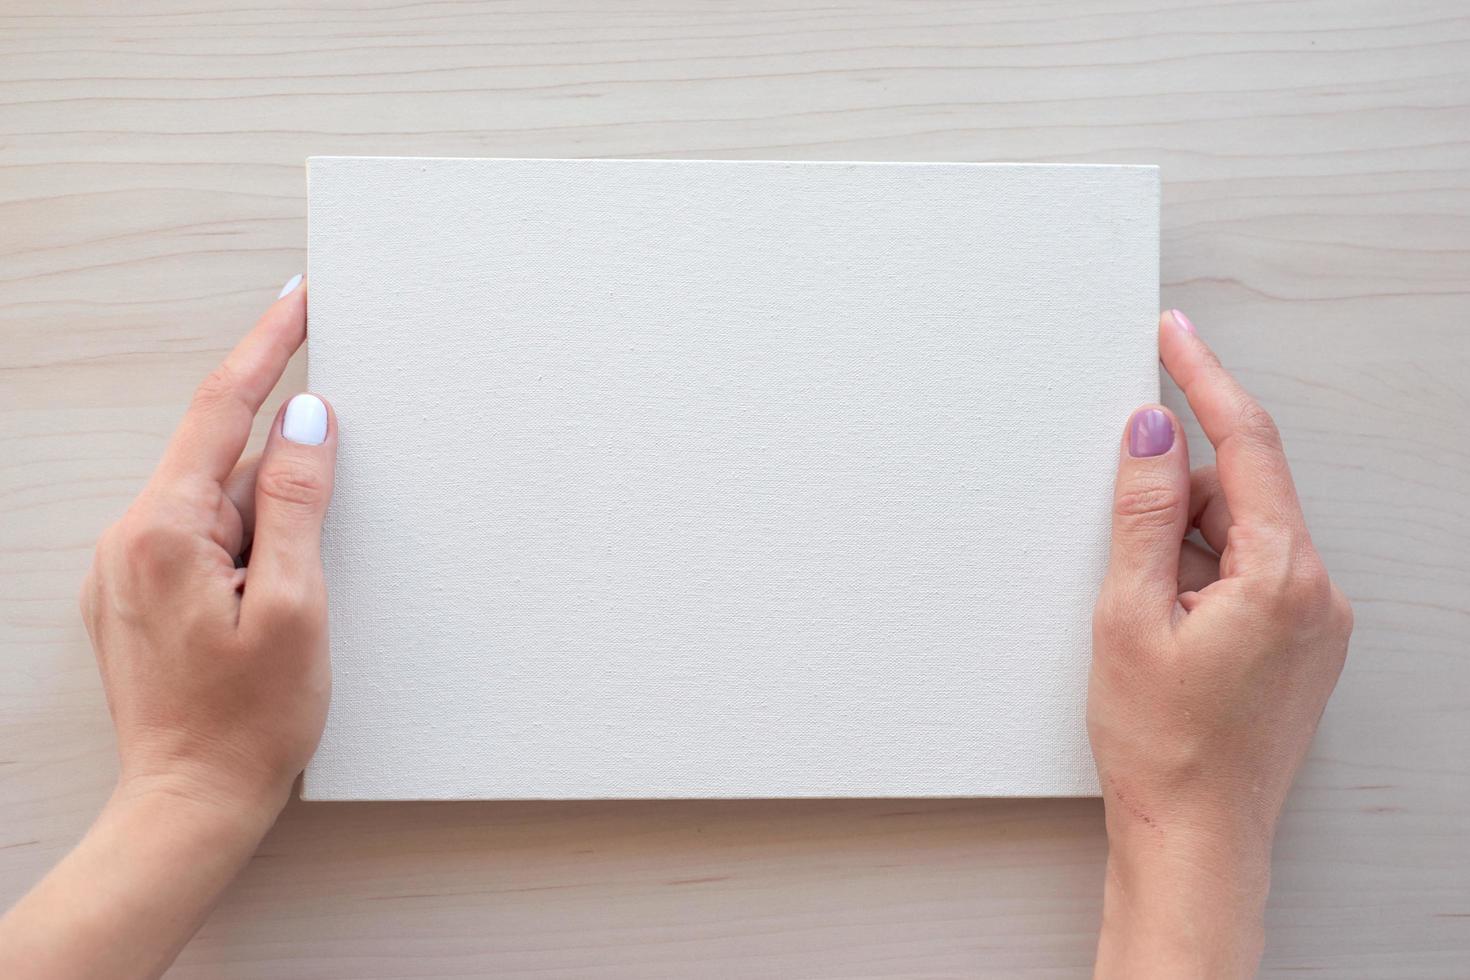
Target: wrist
(1184,905)
(225,813)
(128,896)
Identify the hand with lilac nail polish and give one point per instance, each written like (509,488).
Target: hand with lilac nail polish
(206,607)
(1212,663)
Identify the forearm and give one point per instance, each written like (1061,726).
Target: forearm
(126,899)
(1183,911)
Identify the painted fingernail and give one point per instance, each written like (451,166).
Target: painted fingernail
(291,284)
(1182,321)
(305,421)
(1150,433)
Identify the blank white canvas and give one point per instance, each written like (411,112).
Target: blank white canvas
(720,479)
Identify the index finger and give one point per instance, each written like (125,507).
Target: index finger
(215,429)
(1249,457)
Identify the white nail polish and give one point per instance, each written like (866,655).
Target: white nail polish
(291,284)
(305,421)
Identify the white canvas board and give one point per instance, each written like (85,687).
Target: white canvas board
(720,479)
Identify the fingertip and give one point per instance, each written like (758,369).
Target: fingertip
(281,329)
(1174,326)
(288,313)
(306,420)
(294,481)
(1150,508)
(1180,346)
(1152,430)
(291,286)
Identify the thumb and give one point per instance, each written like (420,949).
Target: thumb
(1150,513)
(292,488)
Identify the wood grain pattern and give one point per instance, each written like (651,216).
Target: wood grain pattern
(1316,162)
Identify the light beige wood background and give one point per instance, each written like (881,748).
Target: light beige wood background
(1316,162)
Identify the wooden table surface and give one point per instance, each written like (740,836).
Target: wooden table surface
(1316,165)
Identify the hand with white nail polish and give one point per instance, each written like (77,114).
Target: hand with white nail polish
(207,610)
(1212,664)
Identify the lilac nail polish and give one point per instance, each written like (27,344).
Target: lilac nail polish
(1150,433)
(1182,320)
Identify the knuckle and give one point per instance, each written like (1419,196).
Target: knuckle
(219,385)
(1107,616)
(1258,427)
(106,545)
(1116,618)
(1147,507)
(1259,540)
(90,595)
(292,609)
(1342,611)
(147,541)
(1307,587)
(85,594)
(195,497)
(292,483)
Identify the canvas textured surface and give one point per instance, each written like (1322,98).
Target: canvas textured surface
(720,479)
